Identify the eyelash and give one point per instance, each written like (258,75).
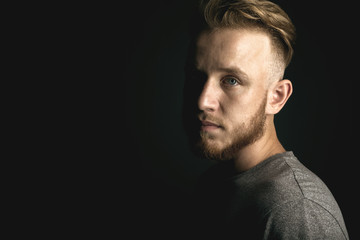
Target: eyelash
(230,77)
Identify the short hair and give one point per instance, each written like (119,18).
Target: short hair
(255,14)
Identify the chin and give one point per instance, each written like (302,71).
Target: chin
(213,149)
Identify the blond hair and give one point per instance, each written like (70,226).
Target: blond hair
(256,14)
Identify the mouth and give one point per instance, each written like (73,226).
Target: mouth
(209,126)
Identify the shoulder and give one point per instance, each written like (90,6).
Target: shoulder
(286,179)
(293,199)
(302,219)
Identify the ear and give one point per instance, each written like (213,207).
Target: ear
(278,94)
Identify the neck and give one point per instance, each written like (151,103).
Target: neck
(265,147)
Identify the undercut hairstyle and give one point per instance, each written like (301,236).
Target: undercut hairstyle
(260,15)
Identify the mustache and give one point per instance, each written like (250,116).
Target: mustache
(207,117)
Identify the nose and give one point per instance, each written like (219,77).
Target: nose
(208,99)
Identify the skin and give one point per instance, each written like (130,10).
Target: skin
(241,83)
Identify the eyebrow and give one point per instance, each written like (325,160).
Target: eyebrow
(235,70)
(230,70)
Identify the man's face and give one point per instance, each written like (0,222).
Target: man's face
(229,79)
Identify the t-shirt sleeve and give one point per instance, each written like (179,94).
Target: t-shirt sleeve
(302,219)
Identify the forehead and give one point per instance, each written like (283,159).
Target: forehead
(243,48)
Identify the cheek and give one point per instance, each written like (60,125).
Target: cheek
(236,110)
(238,106)
(240,112)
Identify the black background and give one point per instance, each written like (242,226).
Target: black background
(94,136)
(317,123)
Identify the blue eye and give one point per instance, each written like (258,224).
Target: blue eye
(230,81)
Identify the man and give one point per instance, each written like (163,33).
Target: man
(234,87)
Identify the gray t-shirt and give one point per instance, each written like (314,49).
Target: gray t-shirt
(277,199)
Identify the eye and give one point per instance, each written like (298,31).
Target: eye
(230,81)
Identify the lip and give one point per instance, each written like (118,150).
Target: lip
(209,126)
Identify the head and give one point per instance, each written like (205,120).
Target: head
(234,76)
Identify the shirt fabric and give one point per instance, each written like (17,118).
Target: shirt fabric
(277,199)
